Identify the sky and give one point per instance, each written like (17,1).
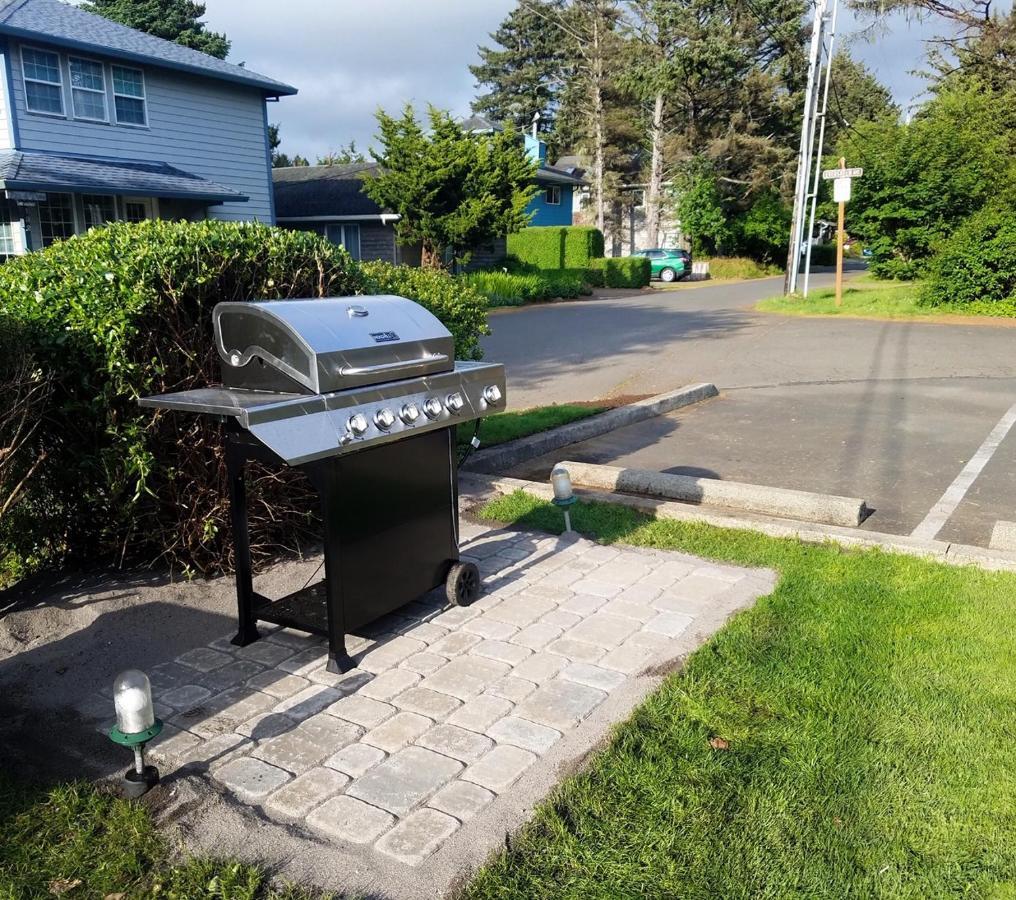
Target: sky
(349,58)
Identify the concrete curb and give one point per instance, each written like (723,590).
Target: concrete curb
(1003,536)
(802,505)
(504,456)
(483,486)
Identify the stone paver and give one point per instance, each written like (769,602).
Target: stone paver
(297,798)
(347,819)
(448,707)
(500,768)
(461,799)
(251,779)
(404,780)
(418,836)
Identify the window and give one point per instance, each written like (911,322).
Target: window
(56,218)
(6,239)
(129,96)
(553,195)
(99,209)
(88,89)
(347,236)
(135,210)
(43,83)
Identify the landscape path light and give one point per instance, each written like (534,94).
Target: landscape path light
(135,726)
(560,480)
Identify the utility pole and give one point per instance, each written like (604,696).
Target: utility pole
(821,143)
(805,153)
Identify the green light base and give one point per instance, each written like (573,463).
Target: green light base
(568,502)
(136,738)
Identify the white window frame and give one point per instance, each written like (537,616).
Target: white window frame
(105,98)
(553,190)
(143,98)
(25,80)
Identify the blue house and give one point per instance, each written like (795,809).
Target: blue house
(99,122)
(553,203)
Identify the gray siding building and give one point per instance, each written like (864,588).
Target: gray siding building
(330,201)
(99,122)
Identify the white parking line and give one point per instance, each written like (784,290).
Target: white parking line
(946,506)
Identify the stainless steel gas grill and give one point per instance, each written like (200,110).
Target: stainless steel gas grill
(362,394)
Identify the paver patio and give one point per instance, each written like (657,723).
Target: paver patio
(453,716)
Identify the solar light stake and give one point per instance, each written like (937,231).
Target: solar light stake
(560,480)
(135,726)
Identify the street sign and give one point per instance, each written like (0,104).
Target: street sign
(830,174)
(841,190)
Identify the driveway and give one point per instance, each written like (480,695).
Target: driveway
(914,417)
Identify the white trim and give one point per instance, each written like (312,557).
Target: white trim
(143,98)
(25,79)
(70,84)
(384,218)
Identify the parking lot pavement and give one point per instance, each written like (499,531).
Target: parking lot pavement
(898,445)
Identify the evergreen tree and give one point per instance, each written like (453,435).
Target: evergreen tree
(454,191)
(173,20)
(525,72)
(855,96)
(343,156)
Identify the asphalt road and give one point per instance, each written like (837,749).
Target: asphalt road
(894,412)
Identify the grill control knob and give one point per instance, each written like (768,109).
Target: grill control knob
(492,394)
(432,407)
(384,418)
(454,402)
(357,424)
(409,413)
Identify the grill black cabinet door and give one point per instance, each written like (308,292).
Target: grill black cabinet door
(391,522)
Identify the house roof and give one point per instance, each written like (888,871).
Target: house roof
(28,171)
(480,125)
(322,191)
(54,22)
(556,175)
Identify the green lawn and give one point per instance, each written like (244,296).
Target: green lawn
(78,841)
(869,705)
(867,297)
(511,425)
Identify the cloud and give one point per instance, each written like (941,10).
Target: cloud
(349,58)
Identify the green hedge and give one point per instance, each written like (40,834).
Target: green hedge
(624,271)
(517,288)
(740,267)
(556,246)
(976,267)
(822,255)
(125,311)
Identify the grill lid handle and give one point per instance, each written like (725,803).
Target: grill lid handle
(393,366)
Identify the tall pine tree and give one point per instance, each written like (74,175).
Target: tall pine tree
(524,74)
(174,20)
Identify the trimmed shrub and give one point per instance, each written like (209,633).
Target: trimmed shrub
(125,311)
(740,267)
(581,245)
(624,271)
(517,288)
(556,246)
(462,310)
(976,267)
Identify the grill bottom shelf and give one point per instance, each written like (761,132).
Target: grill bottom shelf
(304,610)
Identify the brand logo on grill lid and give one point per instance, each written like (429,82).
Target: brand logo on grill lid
(384,337)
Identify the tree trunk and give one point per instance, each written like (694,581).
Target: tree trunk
(598,126)
(430,258)
(654,194)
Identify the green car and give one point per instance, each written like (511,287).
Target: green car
(668,265)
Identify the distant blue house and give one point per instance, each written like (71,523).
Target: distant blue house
(99,122)
(554,201)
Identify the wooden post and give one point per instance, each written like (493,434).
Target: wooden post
(839,247)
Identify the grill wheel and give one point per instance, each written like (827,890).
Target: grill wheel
(462,586)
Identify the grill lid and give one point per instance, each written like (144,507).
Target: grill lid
(320,346)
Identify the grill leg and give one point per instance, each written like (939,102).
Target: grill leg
(247,632)
(327,480)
